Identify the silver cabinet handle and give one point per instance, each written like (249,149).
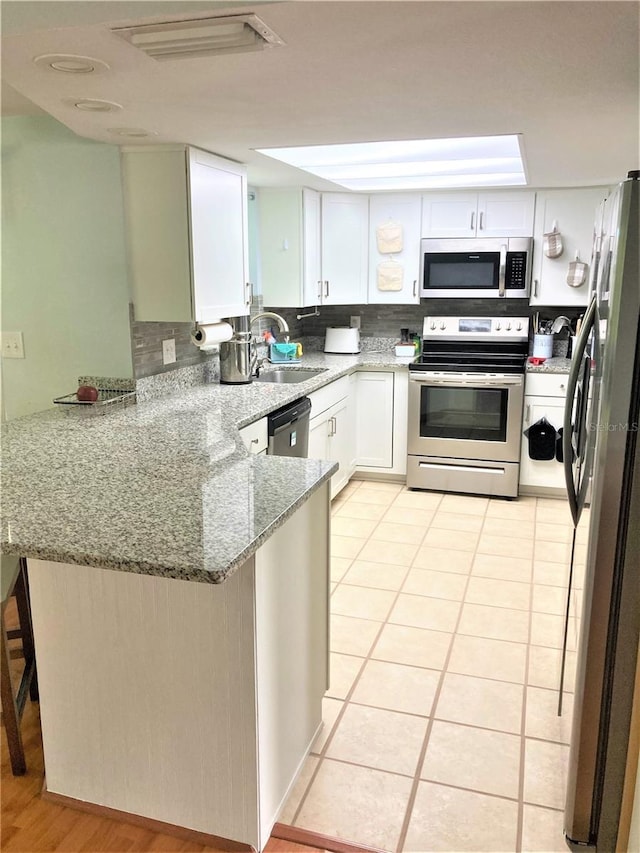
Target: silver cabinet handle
(535,288)
(527,413)
(332,426)
(473,220)
(480,223)
(249,290)
(319,290)
(415,287)
(326,289)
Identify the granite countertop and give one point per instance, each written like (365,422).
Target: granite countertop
(551,365)
(165,487)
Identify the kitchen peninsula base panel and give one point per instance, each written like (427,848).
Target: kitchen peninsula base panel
(188,703)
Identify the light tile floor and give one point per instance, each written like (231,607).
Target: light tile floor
(440,727)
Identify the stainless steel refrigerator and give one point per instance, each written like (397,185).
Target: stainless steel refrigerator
(602,459)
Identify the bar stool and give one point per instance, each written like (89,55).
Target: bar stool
(13,578)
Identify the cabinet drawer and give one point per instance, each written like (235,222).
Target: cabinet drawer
(255,436)
(546,384)
(325,397)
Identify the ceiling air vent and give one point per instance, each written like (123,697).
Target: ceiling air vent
(201,37)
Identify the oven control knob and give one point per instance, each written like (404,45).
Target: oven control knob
(443,326)
(519,327)
(508,327)
(433,325)
(498,327)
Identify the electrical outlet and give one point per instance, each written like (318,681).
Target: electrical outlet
(355,322)
(169,351)
(12,345)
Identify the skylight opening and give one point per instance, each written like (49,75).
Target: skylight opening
(481,161)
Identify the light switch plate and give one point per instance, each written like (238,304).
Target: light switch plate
(169,351)
(12,345)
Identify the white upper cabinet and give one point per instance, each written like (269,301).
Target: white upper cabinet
(290,247)
(345,248)
(186,216)
(573,213)
(394,249)
(488,214)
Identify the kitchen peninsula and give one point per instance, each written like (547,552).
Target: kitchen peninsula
(179,592)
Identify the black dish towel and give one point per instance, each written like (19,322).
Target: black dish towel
(542,440)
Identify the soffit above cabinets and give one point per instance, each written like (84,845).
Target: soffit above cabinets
(564,75)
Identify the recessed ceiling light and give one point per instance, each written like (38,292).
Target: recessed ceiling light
(201,36)
(93,105)
(70,63)
(481,161)
(132,131)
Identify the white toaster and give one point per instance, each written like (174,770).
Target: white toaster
(342,339)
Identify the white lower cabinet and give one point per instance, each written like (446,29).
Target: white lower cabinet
(545,396)
(216,710)
(374,419)
(255,437)
(361,422)
(332,429)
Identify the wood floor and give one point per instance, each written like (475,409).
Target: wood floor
(29,824)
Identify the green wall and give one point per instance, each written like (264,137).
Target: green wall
(64,278)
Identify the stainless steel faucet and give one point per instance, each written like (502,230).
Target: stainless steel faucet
(282,323)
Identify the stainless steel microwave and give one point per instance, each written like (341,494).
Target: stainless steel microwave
(467,268)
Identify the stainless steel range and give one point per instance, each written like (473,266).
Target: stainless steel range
(466,394)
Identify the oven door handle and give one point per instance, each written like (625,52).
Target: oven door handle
(502,273)
(480,382)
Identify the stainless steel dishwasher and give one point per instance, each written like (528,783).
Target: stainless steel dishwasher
(289,429)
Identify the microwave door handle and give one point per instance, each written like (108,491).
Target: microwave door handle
(502,274)
(568,426)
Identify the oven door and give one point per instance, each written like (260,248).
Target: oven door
(465,416)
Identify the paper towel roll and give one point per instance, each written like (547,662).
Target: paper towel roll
(210,334)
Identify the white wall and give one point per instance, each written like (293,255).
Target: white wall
(64,278)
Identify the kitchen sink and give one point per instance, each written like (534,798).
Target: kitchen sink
(289,374)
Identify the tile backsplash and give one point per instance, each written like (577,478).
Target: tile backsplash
(376,321)
(146,347)
(383,321)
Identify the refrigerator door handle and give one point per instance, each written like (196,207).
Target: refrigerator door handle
(568,426)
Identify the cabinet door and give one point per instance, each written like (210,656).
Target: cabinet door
(319,437)
(156,209)
(218,214)
(345,245)
(255,436)
(290,247)
(281,246)
(573,211)
(498,214)
(342,445)
(312,266)
(374,419)
(405,210)
(506,214)
(449,214)
(535,472)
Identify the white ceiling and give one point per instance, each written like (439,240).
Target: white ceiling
(564,74)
